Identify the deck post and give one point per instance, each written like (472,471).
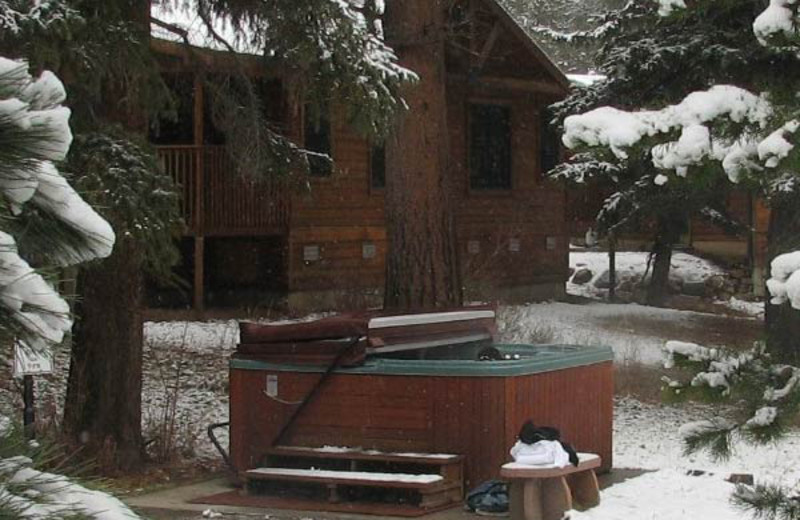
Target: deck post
(198,302)
(199,178)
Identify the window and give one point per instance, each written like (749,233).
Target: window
(377,167)
(317,139)
(490,147)
(549,145)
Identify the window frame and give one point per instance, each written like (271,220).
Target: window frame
(371,187)
(331,142)
(512,181)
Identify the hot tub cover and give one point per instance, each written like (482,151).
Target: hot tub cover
(339,327)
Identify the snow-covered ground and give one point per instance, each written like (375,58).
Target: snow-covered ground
(632,264)
(185,365)
(645,435)
(685,269)
(635,332)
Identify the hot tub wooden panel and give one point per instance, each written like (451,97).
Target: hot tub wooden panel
(578,401)
(478,417)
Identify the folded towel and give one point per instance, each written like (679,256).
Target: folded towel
(548,454)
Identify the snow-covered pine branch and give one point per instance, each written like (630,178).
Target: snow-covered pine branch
(620,130)
(28,492)
(35,134)
(765,397)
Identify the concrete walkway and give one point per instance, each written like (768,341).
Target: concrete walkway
(174,504)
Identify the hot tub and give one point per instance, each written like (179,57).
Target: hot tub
(463,406)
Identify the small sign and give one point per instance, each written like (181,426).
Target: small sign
(473,247)
(272,385)
(311,253)
(368,250)
(28,362)
(550,243)
(514,245)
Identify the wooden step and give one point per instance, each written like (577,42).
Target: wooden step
(347,478)
(425,481)
(431,490)
(336,452)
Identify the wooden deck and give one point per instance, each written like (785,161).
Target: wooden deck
(216,201)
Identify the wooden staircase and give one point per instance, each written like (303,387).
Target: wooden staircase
(359,481)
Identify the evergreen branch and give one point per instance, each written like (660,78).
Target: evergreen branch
(184,35)
(713,436)
(768,502)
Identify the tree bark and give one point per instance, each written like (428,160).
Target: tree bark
(667,235)
(103,404)
(103,408)
(421,266)
(782,322)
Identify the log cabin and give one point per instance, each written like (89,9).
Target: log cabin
(255,245)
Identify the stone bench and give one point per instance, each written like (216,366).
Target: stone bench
(547,493)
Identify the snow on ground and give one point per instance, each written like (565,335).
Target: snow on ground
(632,265)
(555,322)
(187,361)
(681,486)
(665,495)
(754,309)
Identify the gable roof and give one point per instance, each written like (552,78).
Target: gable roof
(530,44)
(197,35)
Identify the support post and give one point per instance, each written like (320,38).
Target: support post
(198,301)
(612,266)
(29,410)
(199,180)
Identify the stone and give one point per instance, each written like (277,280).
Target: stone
(603,281)
(582,276)
(694,288)
(741,478)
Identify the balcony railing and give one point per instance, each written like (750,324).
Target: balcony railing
(215,200)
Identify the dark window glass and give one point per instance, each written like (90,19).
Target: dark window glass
(550,145)
(318,140)
(490,147)
(377,167)
(178,126)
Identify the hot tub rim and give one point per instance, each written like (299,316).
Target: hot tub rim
(568,356)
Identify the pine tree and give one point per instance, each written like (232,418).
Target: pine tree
(651,61)
(45,226)
(329,51)
(743,130)
(45,223)
(563,28)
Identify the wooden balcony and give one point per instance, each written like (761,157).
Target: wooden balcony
(217,201)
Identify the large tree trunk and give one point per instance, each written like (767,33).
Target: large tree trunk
(103,408)
(104,395)
(667,236)
(782,322)
(421,266)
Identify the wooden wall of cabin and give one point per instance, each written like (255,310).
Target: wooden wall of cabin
(513,243)
(337,237)
(337,240)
